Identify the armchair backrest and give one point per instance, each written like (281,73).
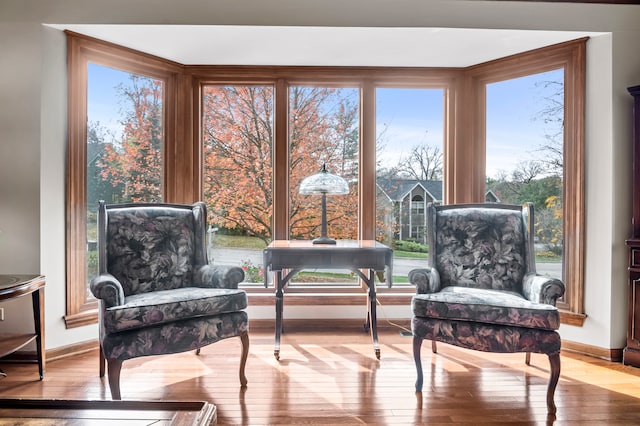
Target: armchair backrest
(151,246)
(481,245)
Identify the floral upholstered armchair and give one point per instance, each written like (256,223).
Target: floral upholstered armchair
(156,290)
(480,289)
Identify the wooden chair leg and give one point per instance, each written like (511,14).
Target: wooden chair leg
(417,344)
(554,362)
(102,361)
(114,366)
(434,347)
(527,358)
(244,338)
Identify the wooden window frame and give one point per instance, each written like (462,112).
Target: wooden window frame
(571,57)
(463,148)
(81,50)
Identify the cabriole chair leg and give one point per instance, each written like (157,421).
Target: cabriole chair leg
(417,344)
(244,338)
(554,362)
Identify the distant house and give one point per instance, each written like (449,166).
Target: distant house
(402,204)
(491,197)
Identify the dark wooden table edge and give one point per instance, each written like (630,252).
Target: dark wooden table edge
(206,412)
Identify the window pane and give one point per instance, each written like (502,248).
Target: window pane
(125,136)
(324,130)
(237,131)
(524,143)
(409,150)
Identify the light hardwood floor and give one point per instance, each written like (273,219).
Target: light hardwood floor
(331,377)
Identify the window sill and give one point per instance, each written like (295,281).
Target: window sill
(330,296)
(80,319)
(572,318)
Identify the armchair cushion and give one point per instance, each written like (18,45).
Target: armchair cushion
(163,306)
(486,306)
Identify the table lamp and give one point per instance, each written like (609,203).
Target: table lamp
(324,183)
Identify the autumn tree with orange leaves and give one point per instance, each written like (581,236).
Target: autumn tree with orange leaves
(238,139)
(135,162)
(238,144)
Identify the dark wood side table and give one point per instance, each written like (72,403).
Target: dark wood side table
(14,286)
(355,255)
(45,412)
(631,354)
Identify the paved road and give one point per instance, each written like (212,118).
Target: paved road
(401,266)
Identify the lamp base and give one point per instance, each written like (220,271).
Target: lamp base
(324,240)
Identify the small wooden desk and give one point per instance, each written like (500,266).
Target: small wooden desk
(11,287)
(355,255)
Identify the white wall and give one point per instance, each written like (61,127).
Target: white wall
(19,159)
(33,125)
(599,180)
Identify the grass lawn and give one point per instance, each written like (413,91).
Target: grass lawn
(238,241)
(337,277)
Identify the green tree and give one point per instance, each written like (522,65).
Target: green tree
(549,225)
(538,191)
(99,188)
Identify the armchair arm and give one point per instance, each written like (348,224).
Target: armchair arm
(426,280)
(218,276)
(540,289)
(108,289)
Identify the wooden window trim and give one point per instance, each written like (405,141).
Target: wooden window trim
(463,126)
(80,51)
(571,57)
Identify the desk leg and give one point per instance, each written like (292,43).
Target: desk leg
(372,319)
(37,300)
(279,302)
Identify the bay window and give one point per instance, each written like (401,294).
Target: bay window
(242,138)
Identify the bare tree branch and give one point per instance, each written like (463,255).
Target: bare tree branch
(424,162)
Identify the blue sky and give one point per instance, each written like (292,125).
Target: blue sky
(408,117)
(411,116)
(103,103)
(416,116)
(515,129)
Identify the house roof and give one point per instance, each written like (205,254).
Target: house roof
(398,189)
